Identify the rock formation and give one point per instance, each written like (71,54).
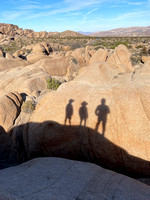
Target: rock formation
(6,63)
(145,59)
(106,107)
(10,107)
(121,58)
(30,80)
(126,125)
(14,31)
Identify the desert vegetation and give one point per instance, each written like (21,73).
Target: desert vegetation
(52,84)
(138,46)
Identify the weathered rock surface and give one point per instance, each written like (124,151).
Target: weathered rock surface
(121,59)
(54,67)
(99,56)
(73,142)
(145,59)
(9,56)
(108,111)
(118,109)
(14,31)
(30,80)
(39,52)
(79,55)
(55,178)
(10,107)
(6,64)
(35,57)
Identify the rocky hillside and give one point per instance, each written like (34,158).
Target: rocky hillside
(124,32)
(13,31)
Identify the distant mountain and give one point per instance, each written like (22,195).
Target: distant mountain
(84,33)
(70,34)
(124,32)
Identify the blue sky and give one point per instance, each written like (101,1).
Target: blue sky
(75,15)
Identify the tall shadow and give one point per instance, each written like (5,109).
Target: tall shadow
(83,113)
(101,111)
(52,139)
(69,111)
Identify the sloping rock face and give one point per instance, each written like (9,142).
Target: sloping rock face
(145,59)
(35,57)
(54,67)
(74,142)
(30,80)
(99,56)
(12,63)
(10,107)
(63,179)
(117,107)
(39,52)
(121,59)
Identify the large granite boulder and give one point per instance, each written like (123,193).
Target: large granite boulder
(61,179)
(35,57)
(121,58)
(145,59)
(54,67)
(39,52)
(114,105)
(10,107)
(30,80)
(99,56)
(6,64)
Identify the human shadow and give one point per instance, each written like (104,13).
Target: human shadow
(69,111)
(51,139)
(83,113)
(102,111)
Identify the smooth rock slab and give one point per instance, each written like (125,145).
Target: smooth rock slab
(61,179)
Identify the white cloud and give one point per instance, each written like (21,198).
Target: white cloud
(87,14)
(32,7)
(125,16)
(23,2)
(78,4)
(12,15)
(135,3)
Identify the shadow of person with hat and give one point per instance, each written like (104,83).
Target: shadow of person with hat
(83,113)
(69,111)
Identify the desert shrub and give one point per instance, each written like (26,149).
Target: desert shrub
(28,51)
(53,84)
(99,47)
(74,61)
(118,43)
(139,46)
(28,107)
(143,51)
(75,45)
(135,59)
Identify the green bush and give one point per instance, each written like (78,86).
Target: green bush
(74,61)
(28,107)
(144,51)
(53,84)
(119,42)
